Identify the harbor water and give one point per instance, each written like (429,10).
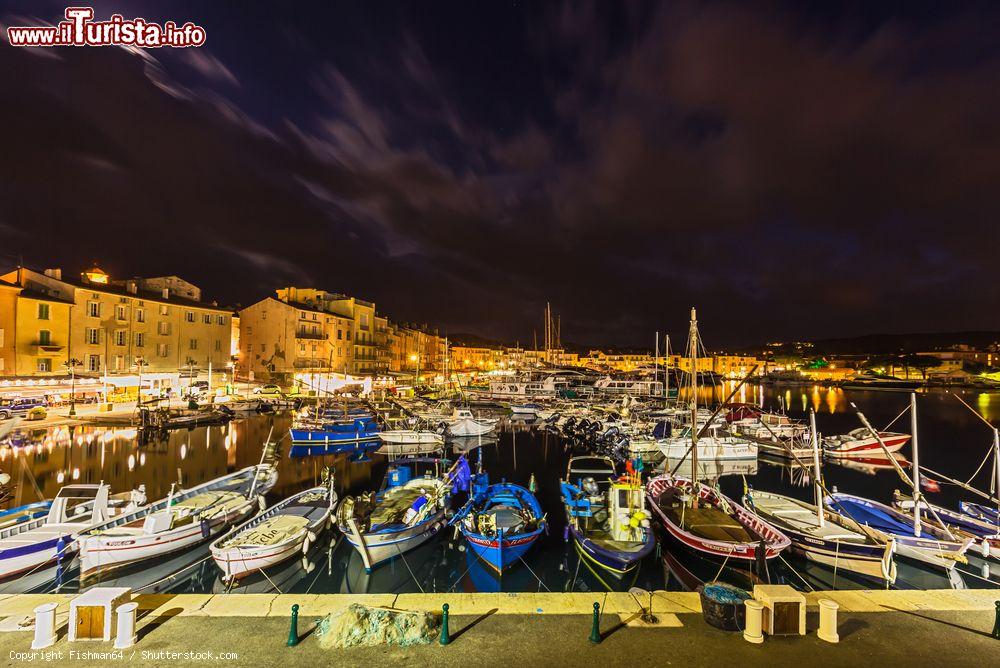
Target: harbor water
(953,441)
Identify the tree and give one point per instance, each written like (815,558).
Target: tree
(921,363)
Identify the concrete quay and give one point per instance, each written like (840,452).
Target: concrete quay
(920,628)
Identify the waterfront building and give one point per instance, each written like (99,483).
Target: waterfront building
(361,328)
(113,327)
(279,339)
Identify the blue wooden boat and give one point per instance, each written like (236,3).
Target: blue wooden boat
(928,544)
(330,436)
(26,513)
(980,512)
(606,514)
(500,522)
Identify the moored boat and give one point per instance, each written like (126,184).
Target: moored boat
(500,522)
(715,525)
(861,442)
(408,510)
(281,532)
(605,514)
(183,519)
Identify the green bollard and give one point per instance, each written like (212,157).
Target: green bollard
(996,622)
(445,638)
(293,632)
(595,629)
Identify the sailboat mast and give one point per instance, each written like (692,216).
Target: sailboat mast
(916,464)
(996,463)
(666,372)
(817,490)
(656,360)
(693,401)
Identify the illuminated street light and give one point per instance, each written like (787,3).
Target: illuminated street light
(71,364)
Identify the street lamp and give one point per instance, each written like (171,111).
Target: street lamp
(71,364)
(139,363)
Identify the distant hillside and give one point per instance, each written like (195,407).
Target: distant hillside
(894,343)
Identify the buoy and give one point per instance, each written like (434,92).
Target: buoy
(828,620)
(125,636)
(45,626)
(754,614)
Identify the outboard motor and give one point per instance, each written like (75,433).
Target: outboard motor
(590,486)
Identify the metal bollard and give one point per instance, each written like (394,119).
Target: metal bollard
(755,615)
(595,627)
(125,636)
(293,631)
(445,636)
(996,622)
(45,626)
(828,620)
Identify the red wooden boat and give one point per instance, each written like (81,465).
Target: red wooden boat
(718,528)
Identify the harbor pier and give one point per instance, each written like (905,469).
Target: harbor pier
(941,627)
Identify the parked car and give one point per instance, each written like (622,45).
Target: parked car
(269,389)
(19,406)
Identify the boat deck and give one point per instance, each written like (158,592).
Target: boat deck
(800,518)
(290,522)
(710,523)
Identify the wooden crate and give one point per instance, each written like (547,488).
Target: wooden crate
(784,610)
(91,613)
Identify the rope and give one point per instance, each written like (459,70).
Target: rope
(811,588)
(409,569)
(981,465)
(533,573)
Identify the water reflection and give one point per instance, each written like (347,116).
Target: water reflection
(952,441)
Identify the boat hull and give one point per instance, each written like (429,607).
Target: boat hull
(501,554)
(384,545)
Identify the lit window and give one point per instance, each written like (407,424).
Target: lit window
(43,311)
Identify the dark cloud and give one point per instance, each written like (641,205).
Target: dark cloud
(794,172)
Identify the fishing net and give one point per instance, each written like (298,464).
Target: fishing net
(359,625)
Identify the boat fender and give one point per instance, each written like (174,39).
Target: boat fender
(312,536)
(306,544)
(985,549)
(261,503)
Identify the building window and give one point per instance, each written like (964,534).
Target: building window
(44,337)
(164,309)
(189,316)
(206,319)
(218,346)
(94,309)
(140,315)
(120,313)
(44,366)
(193,344)
(302,315)
(302,348)
(93,362)
(162,328)
(43,311)
(315,316)
(93,336)
(140,339)
(263,347)
(163,350)
(364,319)
(340,334)
(121,337)
(348,335)
(220,319)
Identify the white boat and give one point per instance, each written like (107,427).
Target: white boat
(409,509)
(640,388)
(183,519)
(523,390)
(281,532)
(28,546)
(529,409)
(411,437)
(861,442)
(464,423)
(710,446)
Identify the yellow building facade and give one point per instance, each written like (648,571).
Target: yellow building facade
(115,328)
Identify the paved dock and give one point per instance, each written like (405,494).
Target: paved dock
(931,628)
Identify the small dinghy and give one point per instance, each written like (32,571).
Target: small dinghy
(464,423)
(605,514)
(500,522)
(861,443)
(282,531)
(406,512)
(183,519)
(962,525)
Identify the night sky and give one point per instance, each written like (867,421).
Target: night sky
(795,170)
